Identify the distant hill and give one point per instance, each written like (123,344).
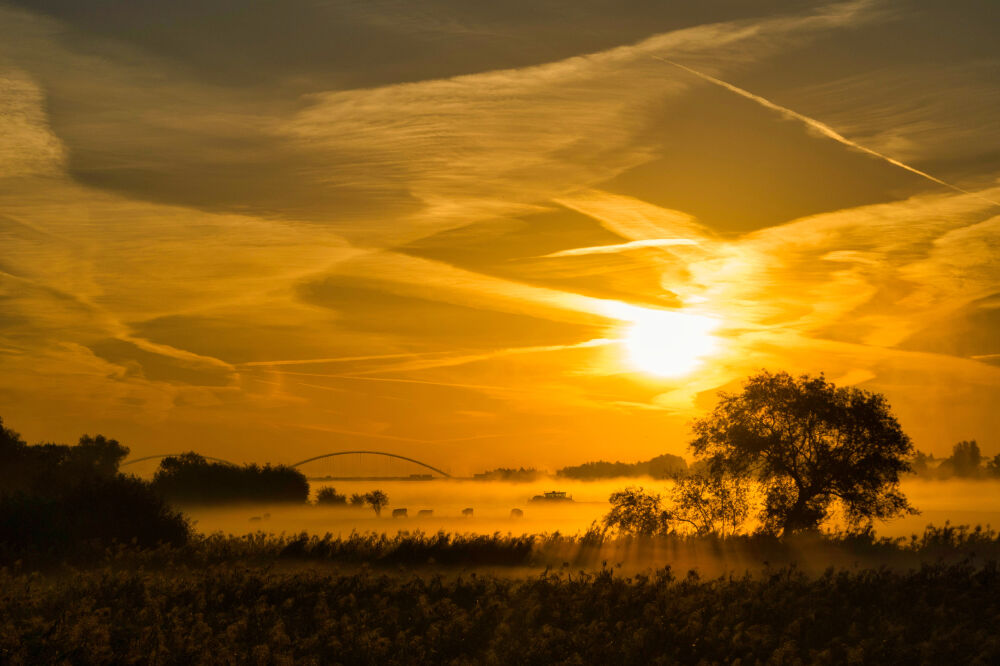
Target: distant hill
(660,467)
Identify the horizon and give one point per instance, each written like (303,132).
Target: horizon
(491,238)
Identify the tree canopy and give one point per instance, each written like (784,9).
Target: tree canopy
(55,498)
(664,466)
(191,479)
(330,497)
(40,467)
(635,511)
(812,446)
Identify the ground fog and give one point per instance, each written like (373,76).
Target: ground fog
(957,502)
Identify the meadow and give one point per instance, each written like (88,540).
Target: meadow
(420,598)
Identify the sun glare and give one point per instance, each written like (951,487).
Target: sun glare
(669,344)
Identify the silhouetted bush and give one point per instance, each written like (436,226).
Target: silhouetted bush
(190,479)
(330,497)
(58,500)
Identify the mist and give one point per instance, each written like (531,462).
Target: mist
(960,502)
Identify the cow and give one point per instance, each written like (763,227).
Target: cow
(467,512)
(399,513)
(516,513)
(425,513)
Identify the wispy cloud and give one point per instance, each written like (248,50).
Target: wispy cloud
(821,128)
(158,228)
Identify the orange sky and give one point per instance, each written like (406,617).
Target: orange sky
(480,237)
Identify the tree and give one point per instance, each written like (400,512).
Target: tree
(922,463)
(57,499)
(42,466)
(376,499)
(710,504)
(189,478)
(993,466)
(965,459)
(98,455)
(328,496)
(811,446)
(635,511)
(12,454)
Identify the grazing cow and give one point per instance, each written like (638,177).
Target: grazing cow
(425,513)
(399,513)
(516,513)
(467,512)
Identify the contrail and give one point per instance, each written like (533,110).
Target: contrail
(822,128)
(338,359)
(621,247)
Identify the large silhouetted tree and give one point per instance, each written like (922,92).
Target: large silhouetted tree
(812,446)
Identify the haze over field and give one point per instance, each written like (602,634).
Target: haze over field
(954,501)
(522,234)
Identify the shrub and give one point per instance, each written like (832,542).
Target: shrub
(330,497)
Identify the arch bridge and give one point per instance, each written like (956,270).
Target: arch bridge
(161,456)
(333,454)
(373,453)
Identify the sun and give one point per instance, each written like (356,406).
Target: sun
(669,344)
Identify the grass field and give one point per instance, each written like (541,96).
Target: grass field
(372,599)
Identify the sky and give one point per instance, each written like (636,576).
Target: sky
(481,234)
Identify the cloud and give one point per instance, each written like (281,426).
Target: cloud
(27,146)
(182,245)
(822,128)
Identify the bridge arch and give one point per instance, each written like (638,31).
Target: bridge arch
(160,456)
(374,453)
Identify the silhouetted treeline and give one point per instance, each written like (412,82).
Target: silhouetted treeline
(665,466)
(190,479)
(966,462)
(509,474)
(56,498)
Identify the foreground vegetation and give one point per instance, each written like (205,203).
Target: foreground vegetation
(229,601)
(596,598)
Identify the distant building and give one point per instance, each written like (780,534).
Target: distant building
(553,496)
